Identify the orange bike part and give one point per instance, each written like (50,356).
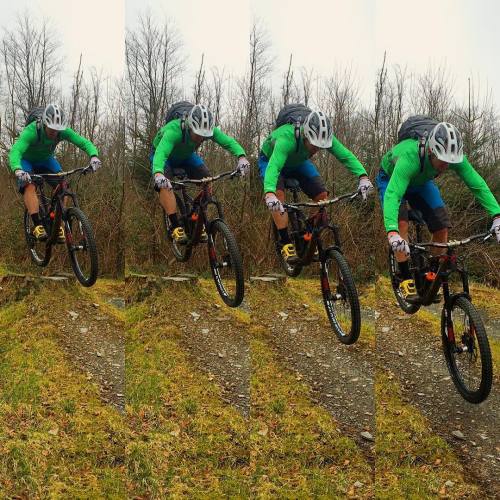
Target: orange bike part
(194,217)
(430,276)
(308,236)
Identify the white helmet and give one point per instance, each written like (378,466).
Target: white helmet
(200,121)
(318,129)
(53,117)
(445,142)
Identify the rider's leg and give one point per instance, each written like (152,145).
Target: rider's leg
(30,196)
(31,202)
(195,168)
(281,220)
(30,199)
(427,199)
(403,226)
(439,236)
(52,166)
(167,201)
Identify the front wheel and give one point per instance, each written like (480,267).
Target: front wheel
(81,246)
(340,297)
(39,251)
(467,351)
(226,264)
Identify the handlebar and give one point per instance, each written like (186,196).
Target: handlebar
(453,244)
(205,180)
(322,203)
(62,174)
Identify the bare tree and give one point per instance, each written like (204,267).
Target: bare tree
(31,62)
(154,66)
(199,82)
(432,93)
(256,86)
(288,83)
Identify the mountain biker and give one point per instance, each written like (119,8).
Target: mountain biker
(174,147)
(33,153)
(403,178)
(286,153)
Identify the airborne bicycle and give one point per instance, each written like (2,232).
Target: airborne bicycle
(318,240)
(464,339)
(195,215)
(79,236)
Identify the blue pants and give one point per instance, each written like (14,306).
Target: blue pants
(306,173)
(193,161)
(425,198)
(48,166)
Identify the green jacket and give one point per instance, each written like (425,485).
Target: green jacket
(36,147)
(168,143)
(402,165)
(281,149)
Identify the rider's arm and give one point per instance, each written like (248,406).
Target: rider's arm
(80,142)
(405,169)
(478,186)
(228,143)
(171,136)
(27,137)
(282,148)
(347,158)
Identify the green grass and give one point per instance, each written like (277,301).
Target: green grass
(411,461)
(57,439)
(186,440)
(297,449)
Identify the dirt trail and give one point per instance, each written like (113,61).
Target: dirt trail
(411,350)
(92,338)
(213,337)
(340,376)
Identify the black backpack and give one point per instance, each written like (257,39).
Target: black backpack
(36,114)
(180,110)
(294,114)
(417,127)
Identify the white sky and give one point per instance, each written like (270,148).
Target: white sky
(321,34)
(461,34)
(94,28)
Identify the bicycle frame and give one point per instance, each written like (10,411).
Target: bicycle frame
(54,207)
(200,203)
(448,264)
(316,224)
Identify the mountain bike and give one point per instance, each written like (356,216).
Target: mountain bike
(465,343)
(79,236)
(224,256)
(318,240)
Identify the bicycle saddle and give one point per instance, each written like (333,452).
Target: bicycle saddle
(292,184)
(179,173)
(416,216)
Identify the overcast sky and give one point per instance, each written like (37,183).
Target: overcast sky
(93,28)
(461,34)
(323,34)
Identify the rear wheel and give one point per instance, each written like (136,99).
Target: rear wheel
(467,351)
(81,246)
(39,251)
(226,263)
(407,307)
(182,251)
(340,296)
